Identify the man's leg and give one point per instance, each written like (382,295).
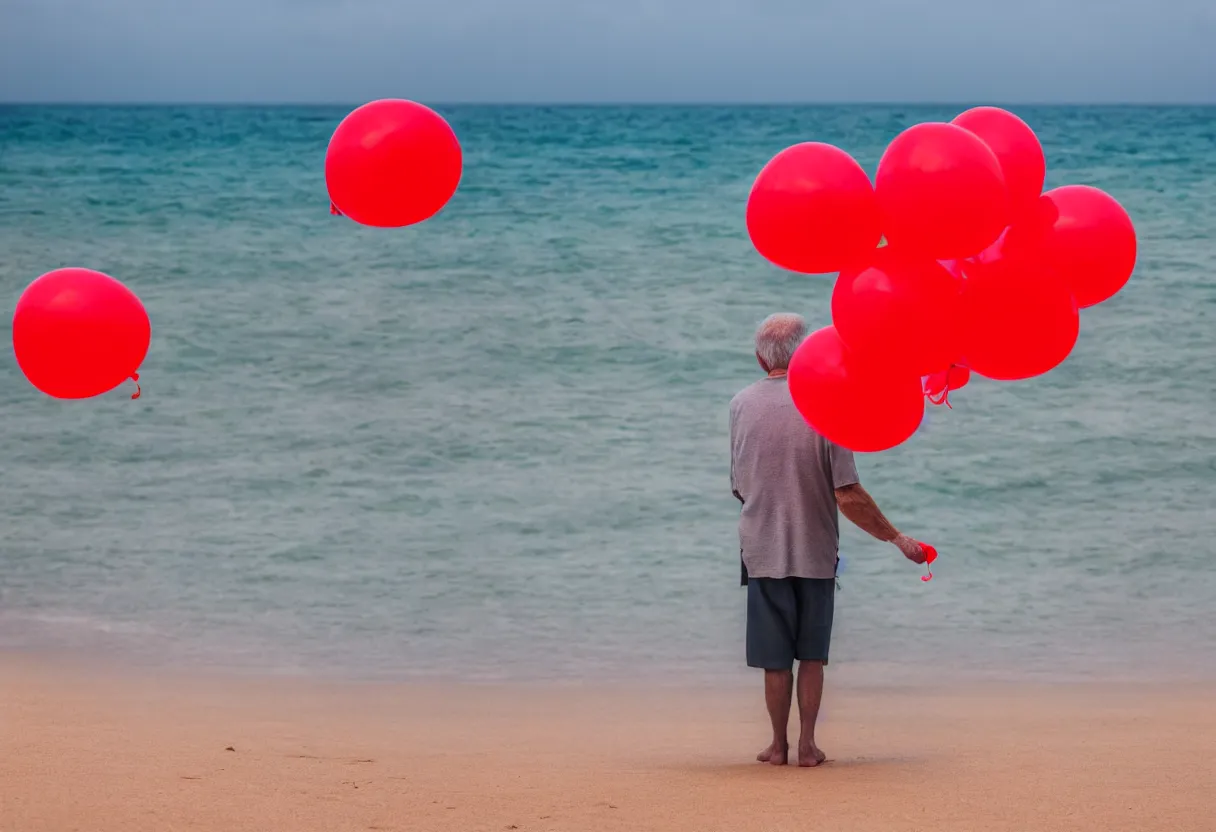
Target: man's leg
(810,694)
(778,696)
(816,604)
(771,612)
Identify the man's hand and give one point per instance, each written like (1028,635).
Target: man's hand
(856,504)
(912,550)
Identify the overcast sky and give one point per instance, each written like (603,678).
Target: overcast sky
(449,51)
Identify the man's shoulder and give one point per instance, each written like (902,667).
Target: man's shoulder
(764,388)
(764,396)
(767,403)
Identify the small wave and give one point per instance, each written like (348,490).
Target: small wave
(72,621)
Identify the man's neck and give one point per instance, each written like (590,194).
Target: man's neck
(777,373)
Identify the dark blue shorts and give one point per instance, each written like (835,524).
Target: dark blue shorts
(789,619)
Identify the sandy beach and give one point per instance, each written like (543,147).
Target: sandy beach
(87,749)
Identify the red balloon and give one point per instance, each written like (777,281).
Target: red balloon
(812,210)
(1017,149)
(852,402)
(941,192)
(392,163)
(1086,236)
(1019,317)
(79,333)
(899,310)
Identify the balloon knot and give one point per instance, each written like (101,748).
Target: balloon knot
(138,390)
(333,210)
(943,396)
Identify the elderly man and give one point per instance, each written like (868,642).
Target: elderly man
(791,482)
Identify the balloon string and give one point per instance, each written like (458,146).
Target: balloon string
(928,577)
(138,390)
(943,397)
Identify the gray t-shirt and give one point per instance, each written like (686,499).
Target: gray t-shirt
(785,474)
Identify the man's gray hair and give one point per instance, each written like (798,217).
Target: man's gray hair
(778,337)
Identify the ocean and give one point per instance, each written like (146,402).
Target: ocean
(493,446)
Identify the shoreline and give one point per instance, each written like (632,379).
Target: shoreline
(90,747)
(849,672)
(857,676)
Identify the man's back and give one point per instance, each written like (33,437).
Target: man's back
(786,476)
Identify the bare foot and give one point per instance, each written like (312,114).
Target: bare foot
(809,755)
(777,754)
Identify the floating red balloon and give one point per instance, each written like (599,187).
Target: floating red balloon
(855,403)
(941,192)
(79,333)
(392,163)
(1017,149)
(1019,317)
(899,310)
(812,210)
(1084,235)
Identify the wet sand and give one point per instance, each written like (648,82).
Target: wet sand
(110,751)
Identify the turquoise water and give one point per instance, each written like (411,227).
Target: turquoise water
(494,445)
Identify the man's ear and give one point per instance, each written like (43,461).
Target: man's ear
(763,364)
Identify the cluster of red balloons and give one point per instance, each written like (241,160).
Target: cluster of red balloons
(78,333)
(980,270)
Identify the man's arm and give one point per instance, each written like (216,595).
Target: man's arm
(856,504)
(734,488)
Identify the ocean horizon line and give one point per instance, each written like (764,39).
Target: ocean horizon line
(620,104)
